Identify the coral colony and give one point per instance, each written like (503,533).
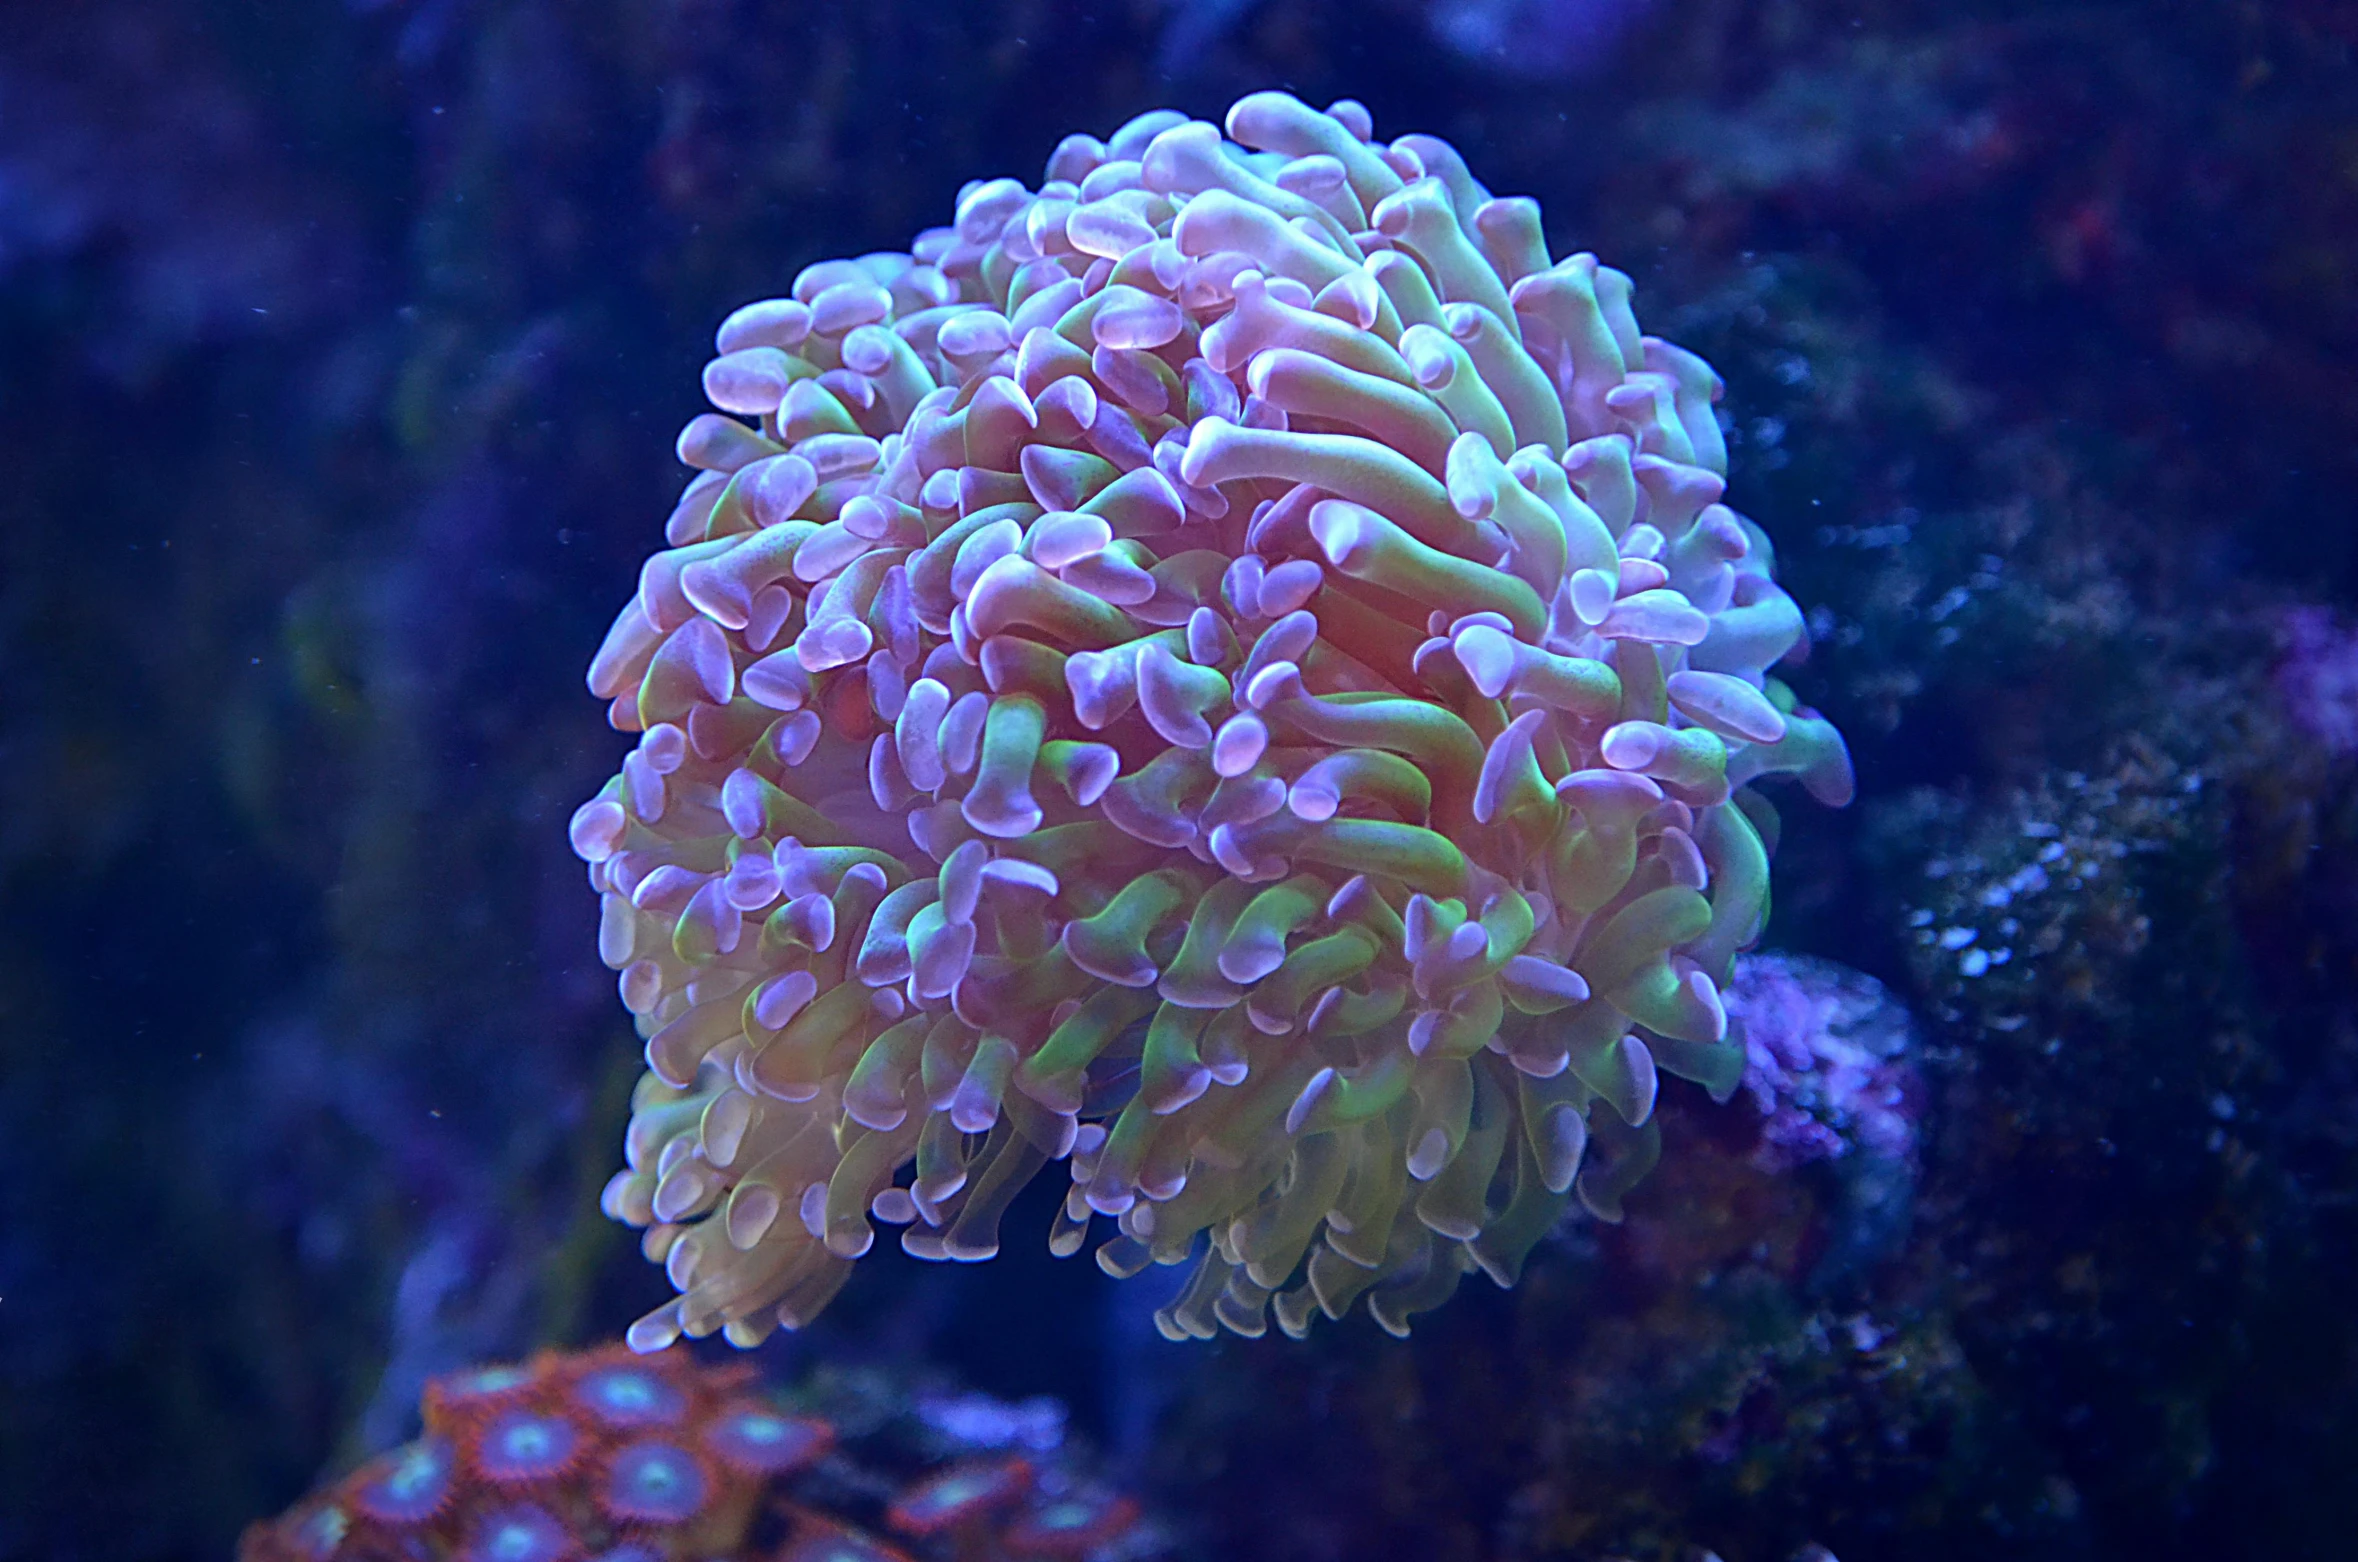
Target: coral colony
(601,1455)
(1228,670)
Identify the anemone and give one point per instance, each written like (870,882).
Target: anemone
(1229,670)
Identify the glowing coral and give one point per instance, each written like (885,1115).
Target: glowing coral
(603,1457)
(1229,670)
(525,1462)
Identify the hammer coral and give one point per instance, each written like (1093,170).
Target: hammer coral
(1228,670)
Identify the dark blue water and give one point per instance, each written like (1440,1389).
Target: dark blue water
(342,352)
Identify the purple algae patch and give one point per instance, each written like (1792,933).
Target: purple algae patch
(2317,677)
(1826,1061)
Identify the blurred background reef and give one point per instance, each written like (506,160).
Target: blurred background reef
(341,350)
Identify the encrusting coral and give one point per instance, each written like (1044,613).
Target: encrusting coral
(1229,670)
(606,1456)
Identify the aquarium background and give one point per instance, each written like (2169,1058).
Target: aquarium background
(342,346)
